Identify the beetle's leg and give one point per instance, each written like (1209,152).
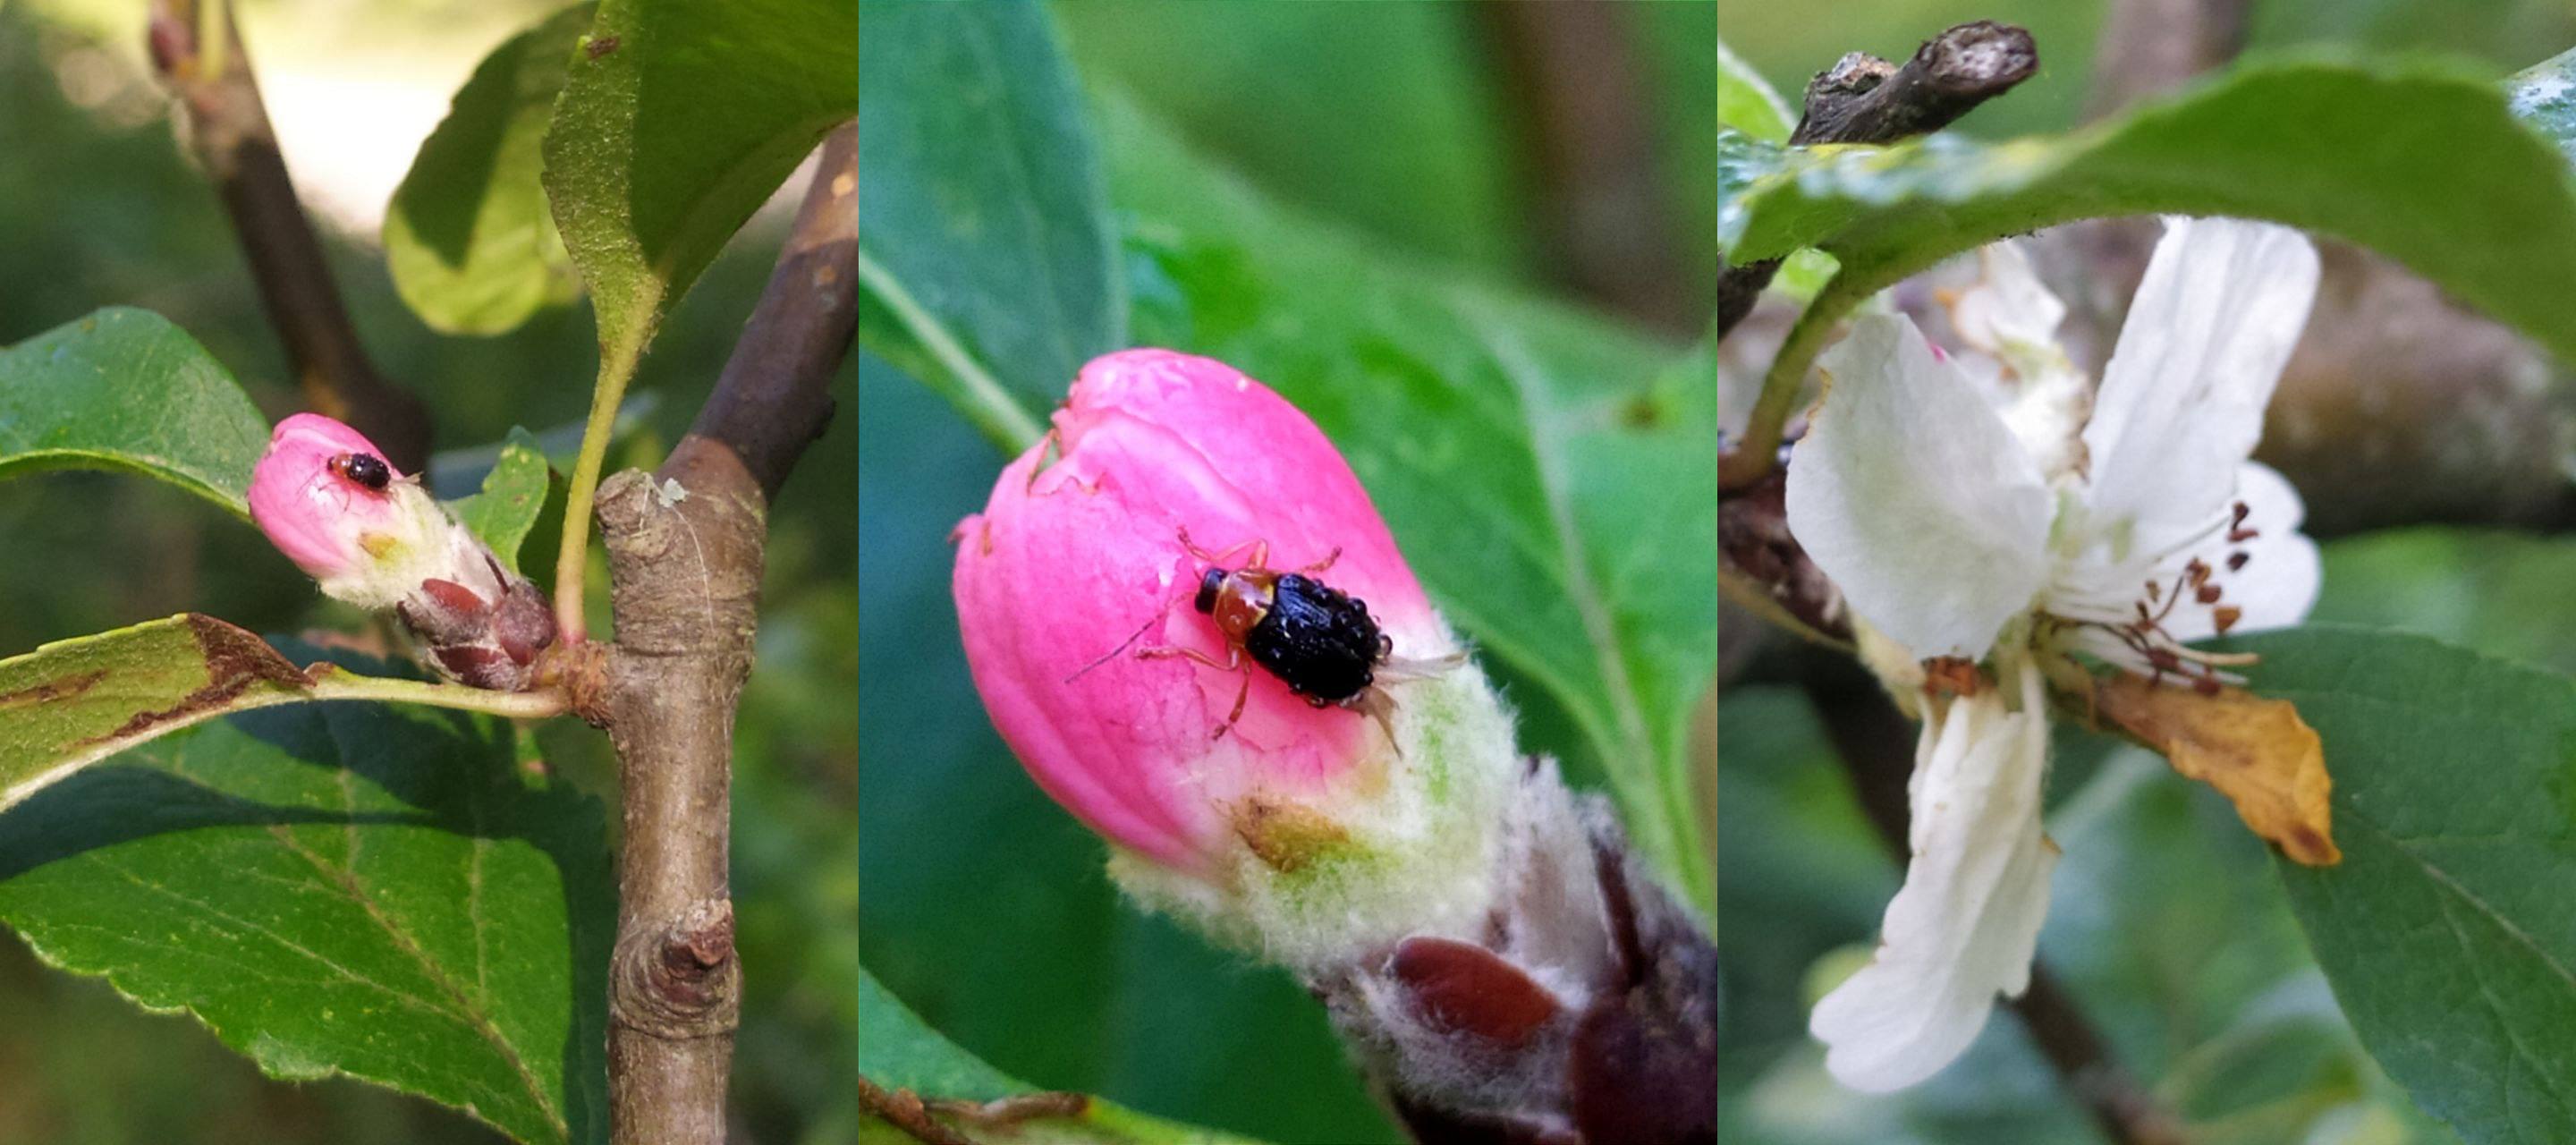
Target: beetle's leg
(1381,707)
(1401,669)
(1260,551)
(1323,564)
(1233,662)
(1240,695)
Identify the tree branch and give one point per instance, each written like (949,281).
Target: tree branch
(685,548)
(229,132)
(1864,99)
(1588,147)
(1875,743)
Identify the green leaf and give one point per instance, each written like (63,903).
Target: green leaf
(2447,930)
(519,489)
(341,888)
(2337,148)
(125,389)
(76,702)
(679,119)
(468,238)
(1746,104)
(988,260)
(898,1051)
(1548,475)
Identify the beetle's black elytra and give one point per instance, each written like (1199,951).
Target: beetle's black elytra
(1317,639)
(364,468)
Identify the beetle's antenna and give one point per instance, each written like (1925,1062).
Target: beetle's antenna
(1112,654)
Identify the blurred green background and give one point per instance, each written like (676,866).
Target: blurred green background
(99,207)
(2167,926)
(986,908)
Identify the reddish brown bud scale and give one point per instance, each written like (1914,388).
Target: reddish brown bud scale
(1473,991)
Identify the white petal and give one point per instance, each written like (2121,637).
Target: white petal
(2010,313)
(1963,928)
(2181,403)
(2277,582)
(1912,495)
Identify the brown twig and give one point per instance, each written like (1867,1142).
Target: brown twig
(907,1112)
(1864,99)
(229,132)
(1875,743)
(1004,1112)
(685,556)
(1763,568)
(1588,147)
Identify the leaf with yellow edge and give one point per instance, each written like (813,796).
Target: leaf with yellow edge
(2257,752)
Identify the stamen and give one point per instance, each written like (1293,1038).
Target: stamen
(2134,638)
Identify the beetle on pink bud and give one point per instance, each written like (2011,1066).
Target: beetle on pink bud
(328,499)
(1186,617)
(1190,623)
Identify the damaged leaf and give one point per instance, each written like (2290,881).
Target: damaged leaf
(74,702)
(71,703)
(333,889)
(2255,751)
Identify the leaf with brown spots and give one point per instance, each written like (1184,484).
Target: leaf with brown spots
(373,890)
(74,702)
(2256,752)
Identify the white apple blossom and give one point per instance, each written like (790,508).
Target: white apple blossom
(1990,506)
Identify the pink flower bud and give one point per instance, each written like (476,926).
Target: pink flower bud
(329,500)
(1075,588)
(304,496)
